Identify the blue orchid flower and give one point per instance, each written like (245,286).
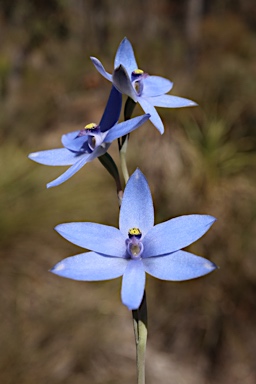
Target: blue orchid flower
(81,147)
(148,91)
(137,247)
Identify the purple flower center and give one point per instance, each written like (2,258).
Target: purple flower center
(133,244)
(91,128)
(137,80)
(93,132)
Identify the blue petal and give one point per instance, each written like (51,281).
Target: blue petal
(54,157)
(72,142)
(178,266)
(133,284)
(169,101)
(101,69)
(156,85)
(125,56)
(81,161)
(90,266)
(175,234)
(112,111)
(155,118)
(122,82)
(69,137)
(95,237)
(137,206)
(125,128)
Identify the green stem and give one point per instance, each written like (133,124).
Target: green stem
(122,154)
(123,141)
(140,332)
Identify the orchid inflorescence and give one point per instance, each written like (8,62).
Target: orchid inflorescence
(138,246)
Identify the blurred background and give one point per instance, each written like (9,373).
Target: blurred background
(54,330)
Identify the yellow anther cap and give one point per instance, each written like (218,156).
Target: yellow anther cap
(138,72)
(90,126)
(134,232)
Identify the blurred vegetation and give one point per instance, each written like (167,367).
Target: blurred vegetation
(60,331)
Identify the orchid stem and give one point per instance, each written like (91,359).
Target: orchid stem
(140,331)
(123,159)
(123,142)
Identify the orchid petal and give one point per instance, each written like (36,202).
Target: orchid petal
(122,82)
(125,56)
(73,142)
(54,157)
(133,284)
(137,206)
(101,69)
(69,137)
(125,127)
(156,85)
(90,266)
(83,159)
(95,237)
(112,111)
(169,101)
(175,234)
(178,266)
(155,118)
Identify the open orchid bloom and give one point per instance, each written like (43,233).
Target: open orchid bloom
(137,247)
(148,91)
(81,147)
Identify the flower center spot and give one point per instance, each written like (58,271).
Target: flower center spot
(135,249)
(137,86)
(137,79)
(138,72)
(134,232)
(90,126)
(134,245)
(93,142)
